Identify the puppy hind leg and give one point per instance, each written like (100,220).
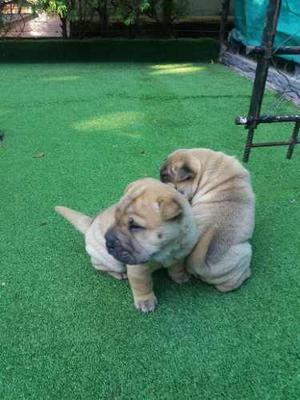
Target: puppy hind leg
(239,259)
(119,273)
(228,287)
(195,260)
(178,273)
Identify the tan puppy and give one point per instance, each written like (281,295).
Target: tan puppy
(94,231)
(153,226)
(222,200)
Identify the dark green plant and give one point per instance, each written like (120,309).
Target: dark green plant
(166,12)
(101,7)
(129,11)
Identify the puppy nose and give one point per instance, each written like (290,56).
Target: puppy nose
(110,239)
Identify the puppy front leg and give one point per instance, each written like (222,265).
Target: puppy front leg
(141,284)
(178,273)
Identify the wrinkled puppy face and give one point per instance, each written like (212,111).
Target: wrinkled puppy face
(146,220)
(181,171)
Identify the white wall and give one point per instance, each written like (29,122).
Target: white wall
(205,7)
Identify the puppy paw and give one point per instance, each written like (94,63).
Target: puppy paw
(118,275)
(181,278)
(146,306)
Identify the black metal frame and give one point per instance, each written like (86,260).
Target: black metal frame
(264,54)
(224,17)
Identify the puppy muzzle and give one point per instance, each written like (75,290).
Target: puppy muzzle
(116,249)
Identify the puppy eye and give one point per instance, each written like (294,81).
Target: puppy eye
(133,226)
(186,178)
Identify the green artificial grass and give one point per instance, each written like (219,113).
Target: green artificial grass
(76,135)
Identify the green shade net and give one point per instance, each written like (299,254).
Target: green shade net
(250,19)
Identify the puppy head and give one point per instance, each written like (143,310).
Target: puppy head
(182,171)
(147,219)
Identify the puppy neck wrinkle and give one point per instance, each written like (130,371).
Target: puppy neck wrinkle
(184,243)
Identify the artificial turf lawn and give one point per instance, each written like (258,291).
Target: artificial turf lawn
(69,332)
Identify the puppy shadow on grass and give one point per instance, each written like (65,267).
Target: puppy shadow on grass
(170,291)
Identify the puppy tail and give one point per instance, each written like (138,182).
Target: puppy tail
(80,221)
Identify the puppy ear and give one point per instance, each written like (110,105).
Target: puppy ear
(185,173)
(170,208)
(129,187)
